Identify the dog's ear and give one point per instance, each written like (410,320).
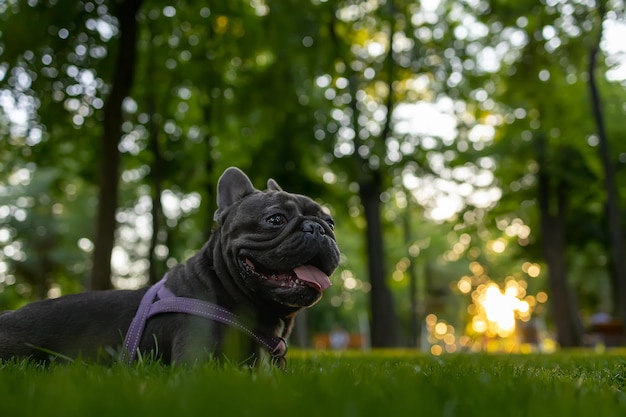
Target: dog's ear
(232,186)
(273,185)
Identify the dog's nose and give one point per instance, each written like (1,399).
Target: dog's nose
(314,228)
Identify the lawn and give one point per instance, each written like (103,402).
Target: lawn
(386,383)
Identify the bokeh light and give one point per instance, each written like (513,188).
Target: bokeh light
(500,316)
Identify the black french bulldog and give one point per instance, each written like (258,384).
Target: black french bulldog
(269,256)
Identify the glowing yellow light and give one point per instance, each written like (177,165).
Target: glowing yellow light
(476,268)
(498,246)
(221,23)
(431,319)
(524,232)
(506,331)
(349,283)
(542,297)
(450,348)
(458,248)
(511,290)
(397,275)
(473,253)
(436,350)
(479,325)
(526,348)
(495,310)
(465,285)
(471,309)
(403,264)
(451,256)
(533,271)
(441,328)
(548,345)
(523,307)
(499,309)
(511,230)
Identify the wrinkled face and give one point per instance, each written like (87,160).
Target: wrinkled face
(281,247)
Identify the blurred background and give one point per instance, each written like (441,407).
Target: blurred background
(472,153)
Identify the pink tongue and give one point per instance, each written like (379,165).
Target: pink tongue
(312,274)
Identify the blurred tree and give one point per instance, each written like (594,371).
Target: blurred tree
(543,152)
(614,223)
(125,13)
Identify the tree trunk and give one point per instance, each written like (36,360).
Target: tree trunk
(156,170)
(412,272)
(209,167)
(553,212)
(384,330)
(109,154)
(616,239)
(384,326)
(156,190)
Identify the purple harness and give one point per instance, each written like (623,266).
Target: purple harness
(160,299)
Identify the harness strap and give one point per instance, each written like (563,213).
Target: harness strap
(159,299)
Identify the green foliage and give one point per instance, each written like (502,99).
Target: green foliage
(364,384)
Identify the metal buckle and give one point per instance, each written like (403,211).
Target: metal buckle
(278,354)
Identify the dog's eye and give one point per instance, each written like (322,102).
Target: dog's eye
(331,223)
(277,219)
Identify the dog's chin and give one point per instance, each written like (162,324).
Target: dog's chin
(285,288)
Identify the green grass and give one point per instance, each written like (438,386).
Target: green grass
(387,383)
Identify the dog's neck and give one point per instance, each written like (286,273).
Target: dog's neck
(197,279)
(160,299)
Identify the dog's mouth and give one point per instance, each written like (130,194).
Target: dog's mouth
(301,276)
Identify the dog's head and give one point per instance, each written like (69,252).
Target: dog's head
(279,247)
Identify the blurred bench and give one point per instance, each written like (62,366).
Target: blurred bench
(322,341)
(610,334)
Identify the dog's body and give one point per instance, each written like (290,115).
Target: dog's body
(269,256)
